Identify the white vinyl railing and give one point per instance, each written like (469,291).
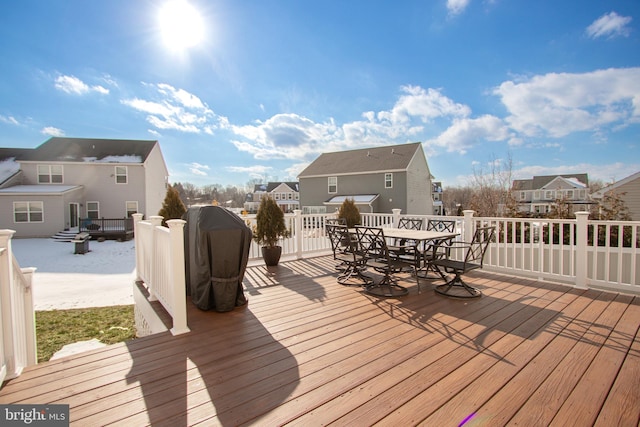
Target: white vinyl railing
(18,332)
(160,266)
(577,251)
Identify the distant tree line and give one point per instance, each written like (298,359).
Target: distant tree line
(216,194)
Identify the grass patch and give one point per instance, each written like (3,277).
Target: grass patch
(57,328)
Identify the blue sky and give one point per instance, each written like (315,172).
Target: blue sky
(266,86)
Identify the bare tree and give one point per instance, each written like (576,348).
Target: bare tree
(492,187)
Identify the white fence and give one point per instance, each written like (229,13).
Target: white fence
(160,266)
(579,252)
(18,332)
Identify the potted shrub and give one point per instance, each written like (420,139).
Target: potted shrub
(270,227)
(350,212)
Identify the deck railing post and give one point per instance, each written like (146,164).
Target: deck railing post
(156,221)
(582,240)
(8,360)
(468,227)
(137,217)
(30,319)
(396,217)
(297,232)
(179,302)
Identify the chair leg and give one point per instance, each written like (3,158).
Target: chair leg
(353,276)
(458,288)
(386,288)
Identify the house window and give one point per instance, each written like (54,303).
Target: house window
(132,207)
(121,174)
(388,180)
(93,210)
(523,195)
(569,194)
(28,212)
(536,195)
(333,184)
(289,196)
(548,195)
(49,174)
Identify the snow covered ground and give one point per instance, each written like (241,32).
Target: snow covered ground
(102,277)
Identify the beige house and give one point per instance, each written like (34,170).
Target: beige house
(536,196)
(286,195)
(52,187)
(629,191)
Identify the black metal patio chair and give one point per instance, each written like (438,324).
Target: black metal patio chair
(473,259)
(436,249)
(351,261)
(407,248)
(374,248)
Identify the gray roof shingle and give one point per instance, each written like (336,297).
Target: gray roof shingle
(385,158)
(78,149)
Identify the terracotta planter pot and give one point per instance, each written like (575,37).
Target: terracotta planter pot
(271,255)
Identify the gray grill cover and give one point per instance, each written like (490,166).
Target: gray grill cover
(217,245)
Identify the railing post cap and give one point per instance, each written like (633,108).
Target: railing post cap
(7,232)
(176,223)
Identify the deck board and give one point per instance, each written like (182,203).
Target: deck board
(308,351)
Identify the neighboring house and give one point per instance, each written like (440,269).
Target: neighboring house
(286,195)
(50,188)
(436,193)
(378,180)
(628,189)
(536,196)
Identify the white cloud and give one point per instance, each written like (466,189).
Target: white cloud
(75,86)
(52,131)
(557,104)
(198,169)
(456,7)
(256,169)
(10,120)
(177,109)
(288,136)
(416,113)
(609,25)
(465,133)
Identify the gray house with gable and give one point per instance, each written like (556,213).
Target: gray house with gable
(378,179)
(53,186)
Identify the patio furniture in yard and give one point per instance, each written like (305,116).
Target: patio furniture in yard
(473,259)
(351,261)
(378,256)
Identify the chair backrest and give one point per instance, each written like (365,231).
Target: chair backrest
(481,239)
(339,237)
(410,223)
(336,221)
(441,225)
(372,243)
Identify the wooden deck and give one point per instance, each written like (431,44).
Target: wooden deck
(308,351)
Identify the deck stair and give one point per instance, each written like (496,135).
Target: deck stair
(65,235)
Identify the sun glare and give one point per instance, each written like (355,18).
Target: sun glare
(180,24)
